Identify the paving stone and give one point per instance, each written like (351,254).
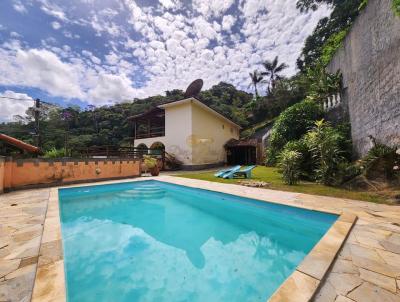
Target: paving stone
(326,294)
(297,288)
(358,251)
(368,292)
(343,299)
(344,283)
(344,267)
(29,269)
(378,267)
(379,280)
(8,266)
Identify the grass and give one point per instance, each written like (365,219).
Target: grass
(273,177)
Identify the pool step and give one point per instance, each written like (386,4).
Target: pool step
(148,193)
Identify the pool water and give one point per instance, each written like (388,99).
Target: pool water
(155,241)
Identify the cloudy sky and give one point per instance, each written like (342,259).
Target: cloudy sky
(105,51)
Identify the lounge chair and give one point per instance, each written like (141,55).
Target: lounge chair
(223,171)
(246,172)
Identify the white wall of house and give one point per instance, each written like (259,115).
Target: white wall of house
(209,135)
(194,133)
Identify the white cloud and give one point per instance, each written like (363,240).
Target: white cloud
(210,8)
(56,25)
(169,50)
(11,107)
(227,22)
(19,7)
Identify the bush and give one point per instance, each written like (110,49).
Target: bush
(381,161)
(291,125)
(324,144)
(55,153)
(289,164)
(306,163)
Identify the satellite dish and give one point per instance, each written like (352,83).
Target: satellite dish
(194,88)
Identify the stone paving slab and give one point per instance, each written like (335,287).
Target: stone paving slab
(367,266)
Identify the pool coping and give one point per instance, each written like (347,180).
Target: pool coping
(301,285)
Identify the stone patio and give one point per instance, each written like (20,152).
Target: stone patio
(367,267)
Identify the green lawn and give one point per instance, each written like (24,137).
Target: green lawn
(273,177)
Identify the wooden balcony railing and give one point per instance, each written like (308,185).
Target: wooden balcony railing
(152,132)
(118,152)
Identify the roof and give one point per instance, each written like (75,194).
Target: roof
(200,104)
(153,110)
(19,144)
(252,142)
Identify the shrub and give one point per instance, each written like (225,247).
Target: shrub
(306,162)
(55,153)
(289,164)
(324,144)
(396,7)
(291,124)
(381,161)
(149,161)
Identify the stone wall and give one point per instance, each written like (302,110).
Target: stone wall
(25,173)
(370,63)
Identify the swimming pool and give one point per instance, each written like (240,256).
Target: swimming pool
(155,241)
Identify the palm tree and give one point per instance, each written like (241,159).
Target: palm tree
(272,70)
(256,78)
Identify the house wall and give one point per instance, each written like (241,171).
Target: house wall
(370,63)
(178,128)
(40,172)
(210,133)
(2,170)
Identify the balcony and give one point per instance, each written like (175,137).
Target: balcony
(149,124)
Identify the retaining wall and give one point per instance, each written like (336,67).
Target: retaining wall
(370,63)
(25,173)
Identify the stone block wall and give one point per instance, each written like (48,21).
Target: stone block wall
(370,63)
(25,173)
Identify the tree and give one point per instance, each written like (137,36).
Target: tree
(343,14)
(256,78)
(272,70)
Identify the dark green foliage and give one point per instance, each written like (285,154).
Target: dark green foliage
(396,7)
(291,125)
(289,165)
(343,14)
(381,161)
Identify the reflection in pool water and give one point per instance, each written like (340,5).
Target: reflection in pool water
(153,241)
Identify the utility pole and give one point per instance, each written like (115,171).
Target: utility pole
(37,124)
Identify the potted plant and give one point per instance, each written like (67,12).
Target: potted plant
(151,165)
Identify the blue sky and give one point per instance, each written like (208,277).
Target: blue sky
(105,51)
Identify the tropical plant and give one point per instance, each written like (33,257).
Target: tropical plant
(320,84)
(396,7)
(291,124)
(306,164)
(343,13)
(149,161)
(55,153)
(289,165)
(256,78)
(272,71)
(381,161)
(324,142)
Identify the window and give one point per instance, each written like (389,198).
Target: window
(223,126)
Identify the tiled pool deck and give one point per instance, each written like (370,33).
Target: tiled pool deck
(366,268)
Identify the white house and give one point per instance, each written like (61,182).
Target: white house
(188,129)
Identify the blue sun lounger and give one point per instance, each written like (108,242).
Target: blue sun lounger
(246,172)
(222,172)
